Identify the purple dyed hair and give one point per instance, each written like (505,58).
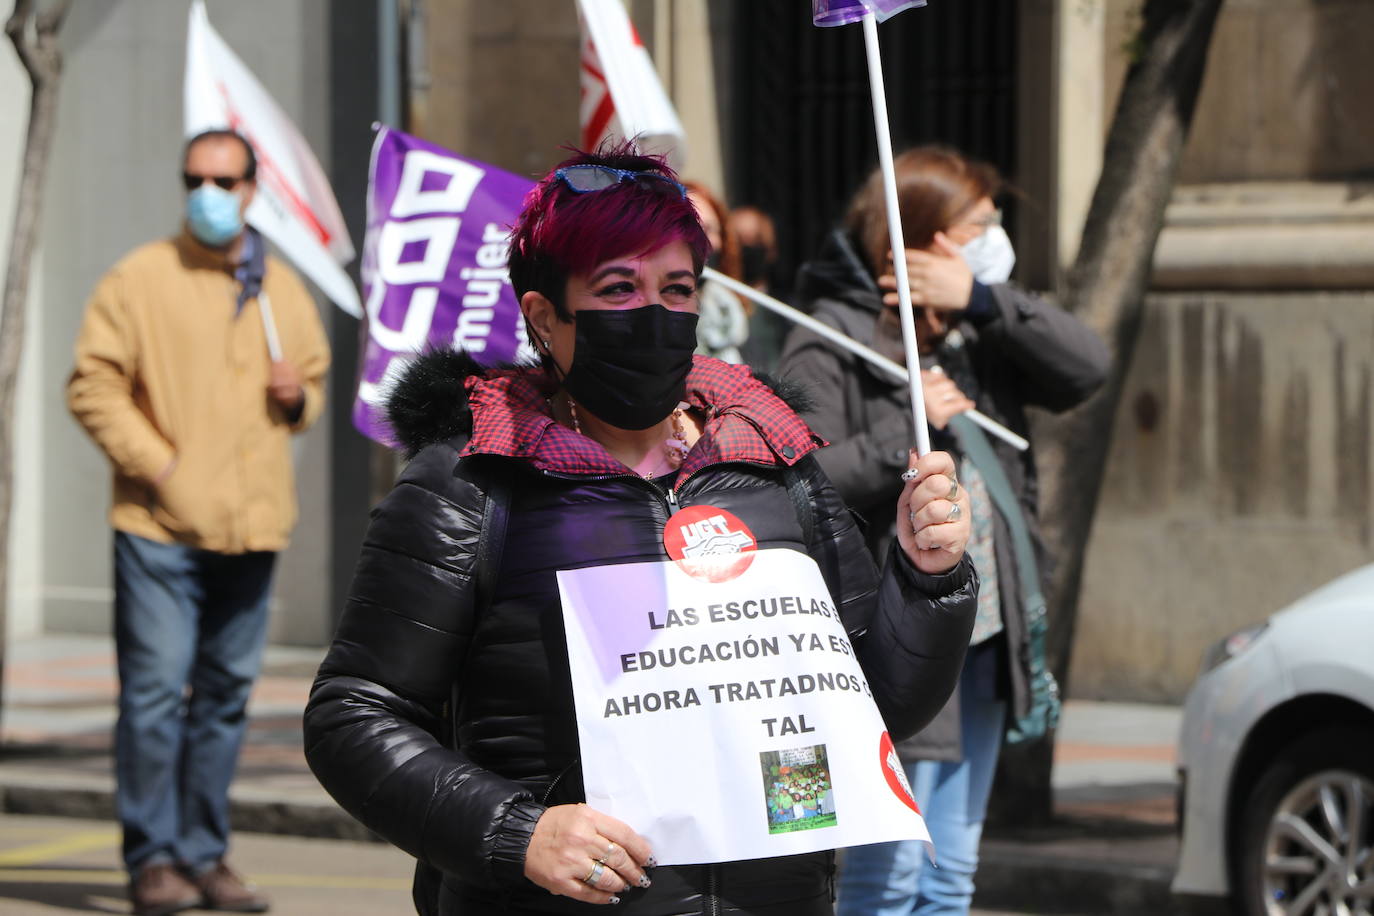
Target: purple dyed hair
(560,232)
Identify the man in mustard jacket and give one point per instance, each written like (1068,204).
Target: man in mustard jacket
(175,382)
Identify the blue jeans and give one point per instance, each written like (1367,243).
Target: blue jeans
(189,631)
(894,879)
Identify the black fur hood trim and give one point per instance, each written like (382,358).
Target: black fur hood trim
(794,394)
(429,402)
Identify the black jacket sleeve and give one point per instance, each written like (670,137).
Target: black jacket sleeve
(377,704)
(861,463)
(1056,360)
(909,629)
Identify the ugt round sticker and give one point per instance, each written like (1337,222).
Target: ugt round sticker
(709,543)
(893,772)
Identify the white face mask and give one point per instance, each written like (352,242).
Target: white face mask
(990,256)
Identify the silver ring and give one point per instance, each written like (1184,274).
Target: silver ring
(594,876)
(912,517)
(953,489)
(954,513)
(910,474)
(610,851)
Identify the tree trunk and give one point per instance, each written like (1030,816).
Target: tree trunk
(34,36)
(1106,287)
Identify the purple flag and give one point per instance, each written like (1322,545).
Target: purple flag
(843,12)
(434,265)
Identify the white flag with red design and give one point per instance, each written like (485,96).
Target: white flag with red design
(294,205)
(621,94)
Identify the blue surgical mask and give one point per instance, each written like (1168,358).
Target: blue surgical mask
(212,215)
(990,256)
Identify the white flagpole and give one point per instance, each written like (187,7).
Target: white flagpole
(269,326)
(894,232)
(840,339)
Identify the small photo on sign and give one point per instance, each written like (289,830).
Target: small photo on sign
(796,789)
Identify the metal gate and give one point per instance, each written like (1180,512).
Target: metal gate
(802,132)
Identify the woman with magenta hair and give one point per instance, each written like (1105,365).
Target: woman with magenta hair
(443,715)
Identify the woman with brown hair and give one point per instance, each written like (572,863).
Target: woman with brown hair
(982,341)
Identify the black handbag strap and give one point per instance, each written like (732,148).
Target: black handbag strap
(491,545)
(801,503)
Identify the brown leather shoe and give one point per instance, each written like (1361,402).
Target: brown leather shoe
(225,889)
(160,890)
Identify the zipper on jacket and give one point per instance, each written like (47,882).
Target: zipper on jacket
(682,481)
(711,905)
(669,494)
(548,793)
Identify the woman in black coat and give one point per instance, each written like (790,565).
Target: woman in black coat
(443,715)
(984,343)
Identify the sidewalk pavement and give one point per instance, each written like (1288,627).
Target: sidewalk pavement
(1110,849)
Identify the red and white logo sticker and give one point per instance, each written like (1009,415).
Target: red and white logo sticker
(893,772)
(709,543)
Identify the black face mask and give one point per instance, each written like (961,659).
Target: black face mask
(629,367)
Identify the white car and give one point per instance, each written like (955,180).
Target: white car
(1276,761)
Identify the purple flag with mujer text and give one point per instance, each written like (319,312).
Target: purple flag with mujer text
(434,265)
(843,12)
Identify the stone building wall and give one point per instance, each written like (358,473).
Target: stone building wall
(1240,473)
(1239,479)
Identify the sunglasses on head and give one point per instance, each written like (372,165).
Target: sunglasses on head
(227,182)
(585,178)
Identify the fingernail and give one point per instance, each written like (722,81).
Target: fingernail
(651,863)
(644,881)
(615,900)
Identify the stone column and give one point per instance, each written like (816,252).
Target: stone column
(1061,129)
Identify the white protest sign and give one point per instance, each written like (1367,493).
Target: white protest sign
(294,205)
(729,719)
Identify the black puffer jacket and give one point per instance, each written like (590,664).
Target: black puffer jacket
(1023,353)
(462,793)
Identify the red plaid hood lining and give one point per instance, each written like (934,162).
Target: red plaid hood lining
(745,421)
